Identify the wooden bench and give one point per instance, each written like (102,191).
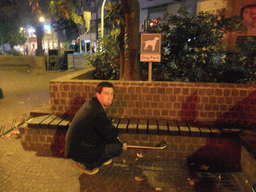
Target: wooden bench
(46,135)
(142,126)
(50,121)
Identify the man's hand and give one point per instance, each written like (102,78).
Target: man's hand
(124,146)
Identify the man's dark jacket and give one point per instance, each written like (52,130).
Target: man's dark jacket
(89,132)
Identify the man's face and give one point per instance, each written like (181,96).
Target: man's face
(253,13)
(106,96)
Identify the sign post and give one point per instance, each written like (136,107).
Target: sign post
(150,50)
(150,71)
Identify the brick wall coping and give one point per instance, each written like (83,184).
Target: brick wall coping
(159,100)
(72,78)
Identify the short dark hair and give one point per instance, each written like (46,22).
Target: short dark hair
(103,84)
(247,6)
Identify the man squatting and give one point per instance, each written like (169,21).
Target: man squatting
(92,139)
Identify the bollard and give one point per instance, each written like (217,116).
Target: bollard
(1,94)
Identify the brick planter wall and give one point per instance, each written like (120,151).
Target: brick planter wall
(50,142)
(152,100)
(33,63)
(46,142)
(160,100)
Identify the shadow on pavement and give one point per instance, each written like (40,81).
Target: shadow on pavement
(123,177)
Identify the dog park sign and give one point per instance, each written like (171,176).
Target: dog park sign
(150,49)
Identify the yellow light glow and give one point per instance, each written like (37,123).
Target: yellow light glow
(41,19)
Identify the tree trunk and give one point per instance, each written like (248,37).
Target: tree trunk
(39,36)
(129,61)
(122,52)
(2,45)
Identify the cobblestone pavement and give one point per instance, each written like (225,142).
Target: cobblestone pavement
(23,92)
(26,171)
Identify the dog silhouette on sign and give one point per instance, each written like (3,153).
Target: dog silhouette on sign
(151,43)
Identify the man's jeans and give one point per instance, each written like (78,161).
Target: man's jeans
(111,150)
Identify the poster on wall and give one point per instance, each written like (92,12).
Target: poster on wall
(246,9)
(248,13)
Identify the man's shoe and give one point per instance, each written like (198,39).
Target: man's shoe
(82,168)
(108,162)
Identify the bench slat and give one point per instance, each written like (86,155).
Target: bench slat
(215,131)
(34,122)
(195,131)
(55,123)
(162,127)
(132,127)
(45,123)
(115,122)
(123,125)
(225,130)
(173,127)
(143,126)
(235,130)
(205,131)
(184,130)
(65,123)
(230,130)
(152,126)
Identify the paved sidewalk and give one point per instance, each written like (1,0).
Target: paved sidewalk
(23,92)
(25,171)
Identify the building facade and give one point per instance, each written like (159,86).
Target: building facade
(90,32)
(149,9)
(155,9)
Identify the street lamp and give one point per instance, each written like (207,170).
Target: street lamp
(102,18)
(41,19)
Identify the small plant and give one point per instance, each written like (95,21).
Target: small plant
(246,60)
(193,47)
(57,62)
(106,59)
